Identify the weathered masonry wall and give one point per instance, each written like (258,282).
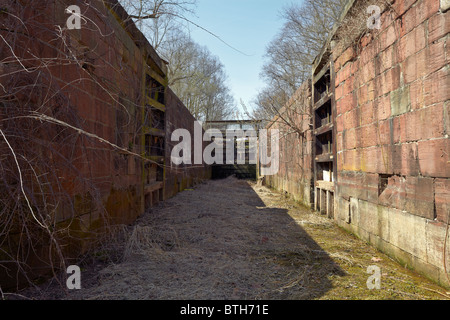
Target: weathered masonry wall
(108,88)
(392,123)
(296,146)
(380,140)
(184,176)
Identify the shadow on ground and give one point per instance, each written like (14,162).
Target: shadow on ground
(219,241)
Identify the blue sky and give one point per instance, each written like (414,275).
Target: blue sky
(247,25)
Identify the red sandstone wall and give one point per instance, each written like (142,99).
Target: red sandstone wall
(392,118)
(95,75)
(181,177)
(392,92)
(91,80)
(296,174)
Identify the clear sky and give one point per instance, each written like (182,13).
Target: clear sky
(247,25)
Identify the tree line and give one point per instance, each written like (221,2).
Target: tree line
(290,54)
(196,76)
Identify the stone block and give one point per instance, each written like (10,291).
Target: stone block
(403,6)
(412,42)
(417,94)
(351,118)
(418,123)
(354,211)
(371,185)
(352,160)
(367,72)
(367,112)
(409,20)
(368,217)
(369,135)
(442,199)
(384,132)
(436,87)
(343,210)
(447,118)
(405,159)
(420,197)
(382,107)
(387,81)
(399,128)
(400,101)
(388,36)
(425,62)
(435,244)
(408,232)
(438,26)
(340,141)
(385,60)
(394,193)
(348,85)
(434,158)
(346,56)
(339,91)
(346,103)
(426,8)
(345,72)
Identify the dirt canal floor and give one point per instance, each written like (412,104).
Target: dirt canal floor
(232,239)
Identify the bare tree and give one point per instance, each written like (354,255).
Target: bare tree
(291,53)
(154,9)
(157,18)
(295,116)
(198,78)
(44,140)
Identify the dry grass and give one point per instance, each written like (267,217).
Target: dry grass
(230,239)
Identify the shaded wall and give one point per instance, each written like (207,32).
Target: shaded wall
(178,178)
(88,82)
(97,86)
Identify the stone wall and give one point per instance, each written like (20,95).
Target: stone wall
(392,122)
(184,176)
(99,86)
(296,167)
(390,92)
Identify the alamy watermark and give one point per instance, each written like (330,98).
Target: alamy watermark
(374,21)
(73,282)
(74,21)
(374,281)
(268,150)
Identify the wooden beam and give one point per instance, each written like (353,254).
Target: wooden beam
(149,188)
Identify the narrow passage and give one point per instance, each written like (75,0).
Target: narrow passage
(233,239)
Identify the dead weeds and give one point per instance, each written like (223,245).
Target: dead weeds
(233,239)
